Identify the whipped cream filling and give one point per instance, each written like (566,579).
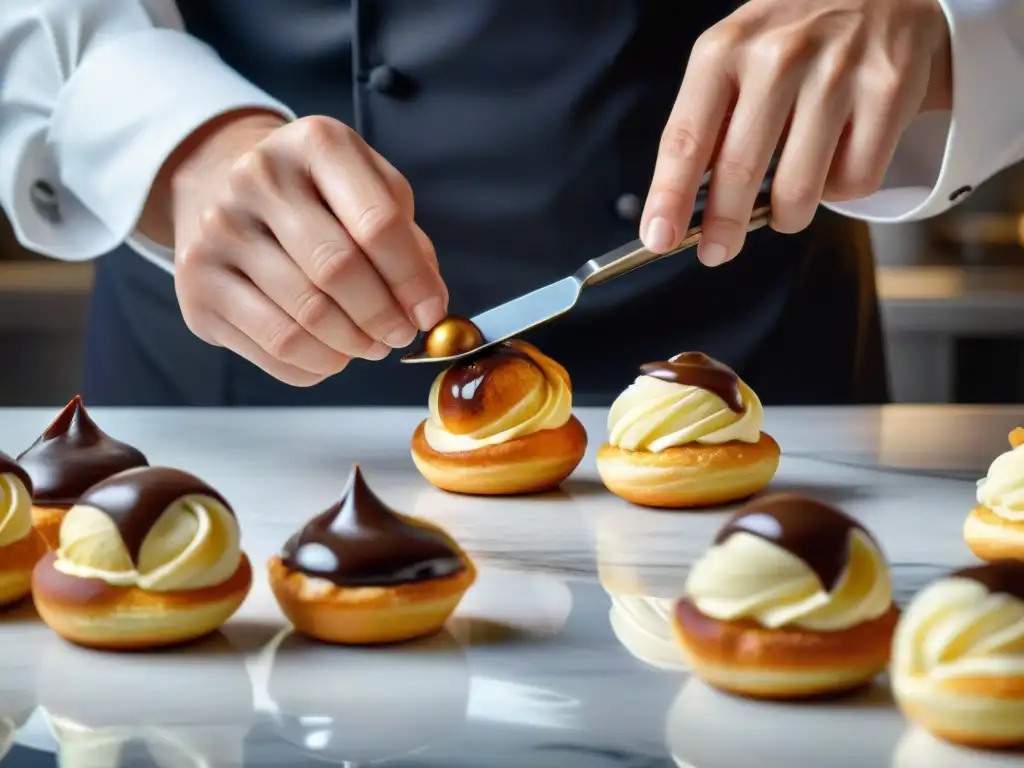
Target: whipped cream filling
(747,577)
(194,545)
(15,510)
(1002,489)
(956,628)
(546,406)
(652,415)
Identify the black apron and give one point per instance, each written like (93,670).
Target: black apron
(528,130)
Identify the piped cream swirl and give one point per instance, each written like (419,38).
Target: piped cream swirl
(652,415)
(1002,489)
(195,544)
(15,510)
(545,405)
(747,577)
(956,628)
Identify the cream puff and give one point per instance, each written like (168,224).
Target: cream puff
(794,599)
(500,423)
(994,529)
(687,433)
(148,557)
(20,545)
(361,573)
(958,657)
(70,456)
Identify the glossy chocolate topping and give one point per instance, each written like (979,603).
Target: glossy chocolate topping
(73,454)
(695,369)
(464,384)
(360,542)
(1002,577)
(136,498)
(812,531)
(8,466)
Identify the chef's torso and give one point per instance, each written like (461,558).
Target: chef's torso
(528,130)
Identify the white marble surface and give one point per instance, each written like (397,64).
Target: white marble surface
(558,655)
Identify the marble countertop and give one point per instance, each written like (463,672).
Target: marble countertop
(559,655)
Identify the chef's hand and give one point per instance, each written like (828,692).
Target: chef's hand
(296,247)
(832,84)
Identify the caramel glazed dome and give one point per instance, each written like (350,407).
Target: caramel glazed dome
(69,457)
(687,433)
(793,599)
(500,423)
(150,556)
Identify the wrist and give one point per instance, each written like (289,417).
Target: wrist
(215,144)
(939,96)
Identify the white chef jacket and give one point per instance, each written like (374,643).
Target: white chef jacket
(96,94)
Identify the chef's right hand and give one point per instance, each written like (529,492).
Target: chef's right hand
(296,247)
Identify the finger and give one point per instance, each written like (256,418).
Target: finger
(361,199)
(277,334)
(431,253)
(687,144)
(882,109)
(398,185)
(762,111)
(332,262)
(276,274)
(819,117)
(232,338)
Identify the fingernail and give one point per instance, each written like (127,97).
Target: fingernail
(428,313)
(660,235)
(401,338)
(712,254)
(377,352)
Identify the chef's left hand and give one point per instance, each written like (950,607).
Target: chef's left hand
(831,84)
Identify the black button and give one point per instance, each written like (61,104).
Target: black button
(44,200)
(383,79)
(627,206)
(958,193)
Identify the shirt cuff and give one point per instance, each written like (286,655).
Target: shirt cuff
(123,112)
(942,157)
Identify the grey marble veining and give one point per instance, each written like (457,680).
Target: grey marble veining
(560,654)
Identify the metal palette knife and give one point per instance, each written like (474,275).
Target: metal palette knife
(538,307)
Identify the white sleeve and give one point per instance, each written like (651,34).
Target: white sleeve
(944,156)
(95,95)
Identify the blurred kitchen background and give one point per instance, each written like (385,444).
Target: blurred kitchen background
(951,289)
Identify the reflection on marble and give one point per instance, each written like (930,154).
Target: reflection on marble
(176,709)
(560,654)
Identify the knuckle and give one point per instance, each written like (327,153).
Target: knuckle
(253,171)
(884,80)
(778,54)
(215,222)
(377,222)
(189,259)
(855,183)
(735,172)
(331,262)
(794,194)
(680,142)
(717,44)
(724,224)
(382,322)
(312,308)
(284,340)
(319,131)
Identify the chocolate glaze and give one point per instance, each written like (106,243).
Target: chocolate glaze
(8,466)
(136,498)
(464,383)
(73,454)
(1003,577)
(360,542)
(695,369)
(811,530)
